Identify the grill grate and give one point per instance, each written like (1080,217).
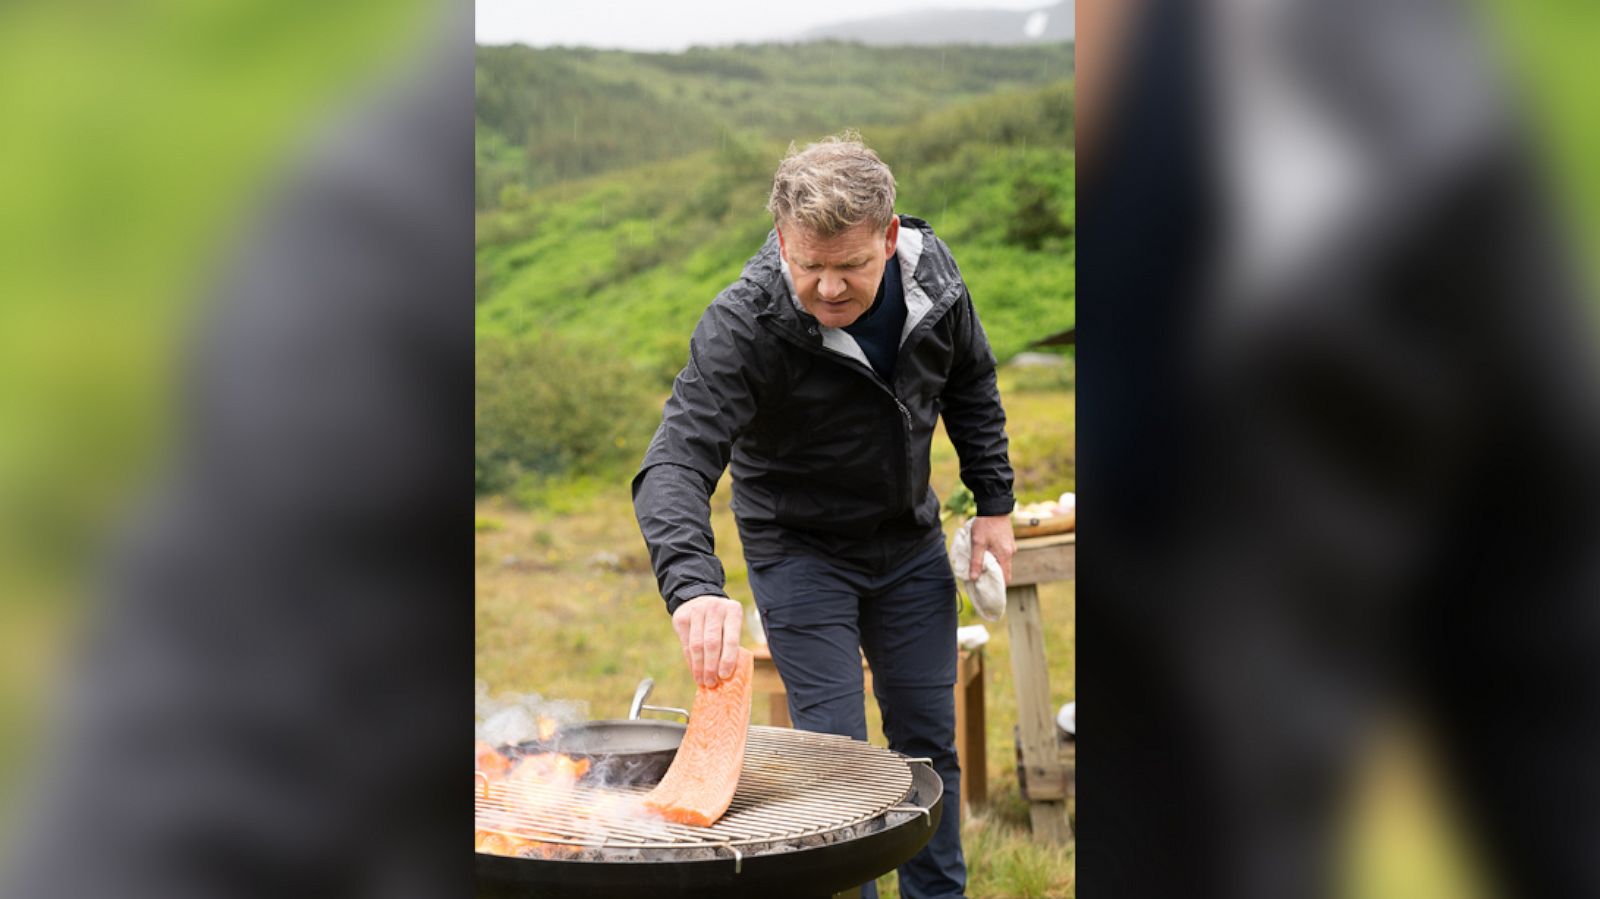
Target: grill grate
(793,785)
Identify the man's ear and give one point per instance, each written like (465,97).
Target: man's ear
(783,248)
(890,238)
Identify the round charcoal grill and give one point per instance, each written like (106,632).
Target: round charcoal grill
(813,814)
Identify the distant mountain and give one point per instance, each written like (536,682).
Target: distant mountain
(995,27)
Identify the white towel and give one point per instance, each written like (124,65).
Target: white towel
(972,636)
(988,592)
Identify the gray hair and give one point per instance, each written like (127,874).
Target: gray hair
(832,186)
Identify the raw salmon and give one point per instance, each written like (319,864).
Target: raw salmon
(699,786)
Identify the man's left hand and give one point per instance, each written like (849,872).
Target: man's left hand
(992,533)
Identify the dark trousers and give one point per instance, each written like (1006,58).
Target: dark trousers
(819,618)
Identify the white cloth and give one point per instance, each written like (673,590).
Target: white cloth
(972,636)
(988,592)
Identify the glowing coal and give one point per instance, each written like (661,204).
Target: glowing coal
(527,784)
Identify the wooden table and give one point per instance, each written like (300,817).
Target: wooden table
(1039,560)
(971,733)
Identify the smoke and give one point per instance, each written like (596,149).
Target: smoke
(543,786)
(510,719)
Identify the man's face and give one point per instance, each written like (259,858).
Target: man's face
(836,278)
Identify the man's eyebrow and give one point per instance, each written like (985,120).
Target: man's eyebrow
(852,260)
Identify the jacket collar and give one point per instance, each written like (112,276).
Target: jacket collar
(928,273)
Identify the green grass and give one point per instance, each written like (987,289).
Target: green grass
(556,618)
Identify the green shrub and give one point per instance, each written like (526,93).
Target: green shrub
(553,408)
(1036,215)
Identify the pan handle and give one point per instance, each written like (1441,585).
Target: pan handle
(645,686)
(639,695)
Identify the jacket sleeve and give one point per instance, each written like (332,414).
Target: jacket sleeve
(973,416)
(713,400)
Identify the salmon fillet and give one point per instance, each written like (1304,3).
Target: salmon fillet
(699,786)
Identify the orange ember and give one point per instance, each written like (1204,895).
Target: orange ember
(550,769)
(488,760)
(556,775)
(496,843)
(547,727)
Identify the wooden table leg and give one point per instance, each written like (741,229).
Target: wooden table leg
(964,757)
(971,743)
(1047,797)
(768,682)
(975,780)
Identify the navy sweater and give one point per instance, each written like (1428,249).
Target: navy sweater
(878,331)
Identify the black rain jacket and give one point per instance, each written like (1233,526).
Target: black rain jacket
(828,459)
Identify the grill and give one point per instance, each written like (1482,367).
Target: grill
(831,809)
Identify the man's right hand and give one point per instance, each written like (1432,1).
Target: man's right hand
(708,628)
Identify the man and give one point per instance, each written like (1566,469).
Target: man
(820,375)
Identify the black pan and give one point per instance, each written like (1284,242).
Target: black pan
(619,752)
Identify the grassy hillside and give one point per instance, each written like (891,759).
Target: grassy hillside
(631,258)
(556,114)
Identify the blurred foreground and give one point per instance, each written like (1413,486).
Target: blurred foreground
(1339,455)
(243,512)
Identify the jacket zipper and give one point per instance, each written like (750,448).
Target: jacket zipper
(909,491)
(905,415)
(875,378)
(872,375)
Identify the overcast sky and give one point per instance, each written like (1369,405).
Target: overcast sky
(668,25)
